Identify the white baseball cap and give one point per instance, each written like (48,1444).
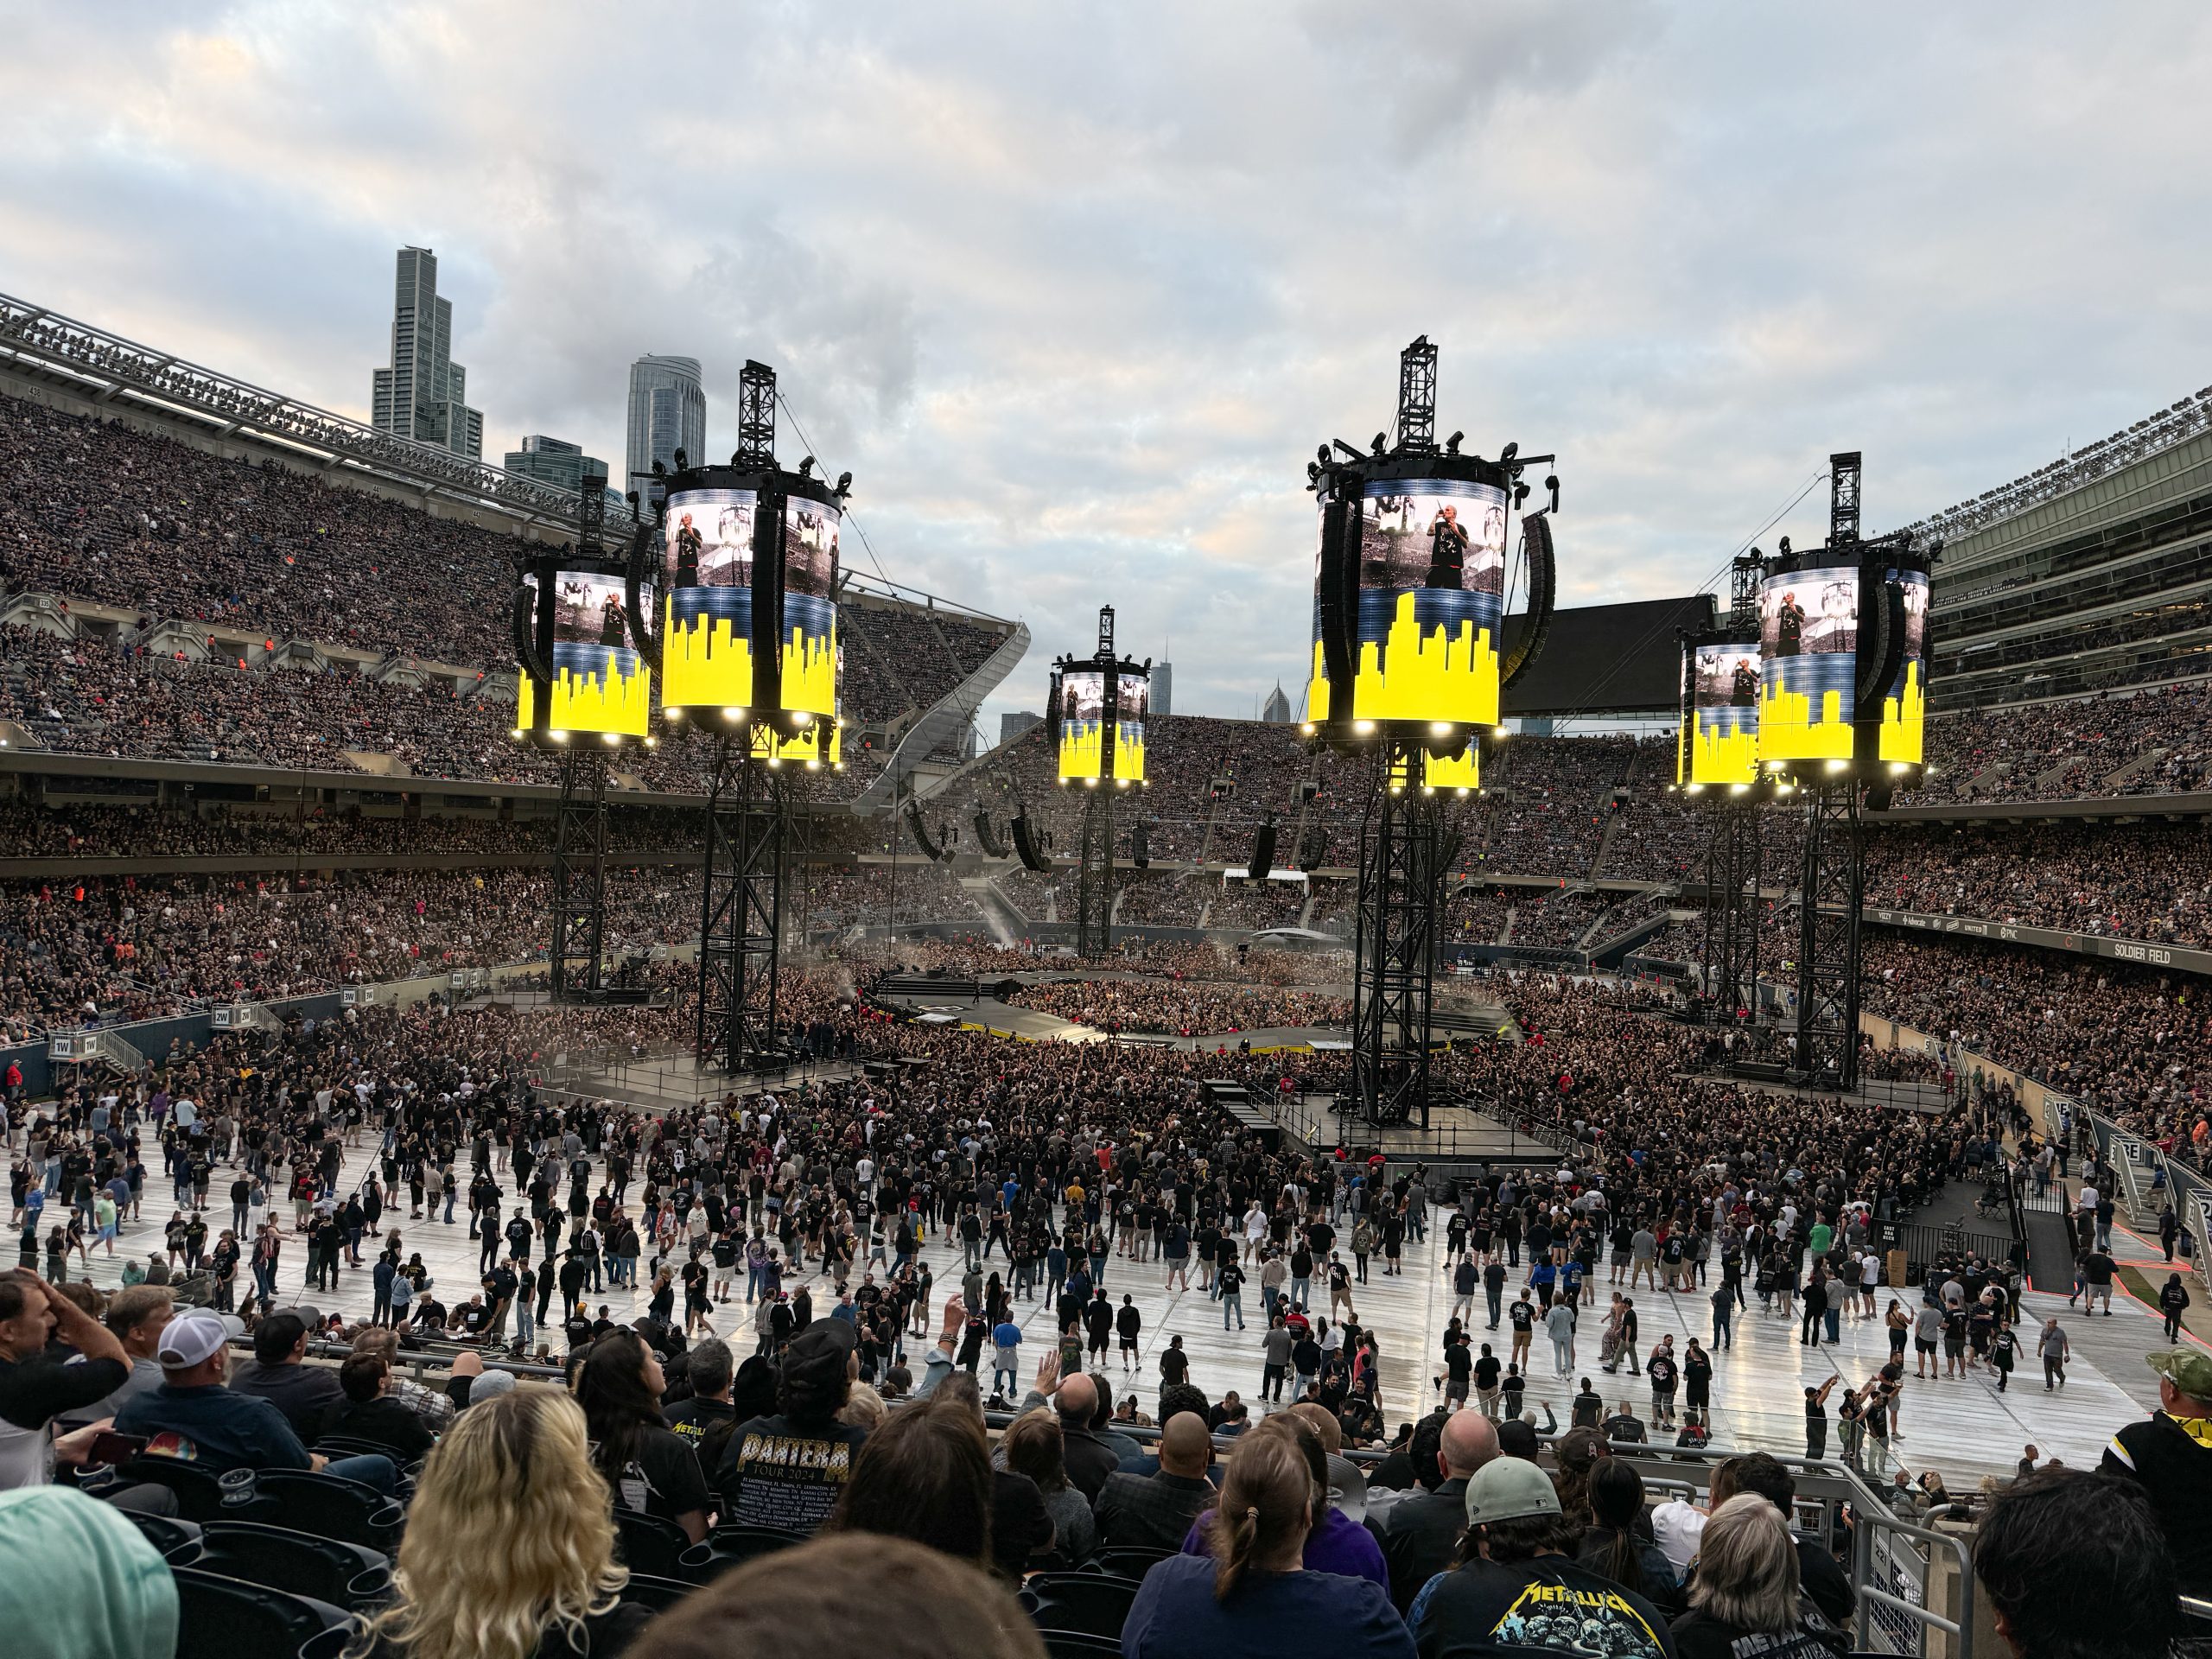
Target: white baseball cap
(191,1336)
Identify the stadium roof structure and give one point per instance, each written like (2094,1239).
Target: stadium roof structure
(2169,426)
(1608,659)
(110,369)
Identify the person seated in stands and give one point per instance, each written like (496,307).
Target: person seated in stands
(1818,1570)
(650,1469)
(37,1385)
(1420,1533)
(1517,1589)
(137,1315)
(279,1373)
(1612,1545)
(1253,1589)
(1333,1543)
(2077,1564)
(1033,1447)
(925,1476)
(372,1412)
(195,1418)
(850,1593)
(1155,1511)
(1746,1595)
(509,1552)
(786,1469)
(78,1581)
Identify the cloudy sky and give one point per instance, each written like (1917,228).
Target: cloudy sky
(1075,290)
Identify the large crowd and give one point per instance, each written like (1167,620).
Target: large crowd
(846,1393)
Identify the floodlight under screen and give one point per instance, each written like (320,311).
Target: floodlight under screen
(1431,588)
(1809,662)
(601,683)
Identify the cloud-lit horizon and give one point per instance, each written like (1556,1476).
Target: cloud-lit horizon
(1075,292)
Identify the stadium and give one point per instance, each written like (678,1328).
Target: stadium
(1734,1059)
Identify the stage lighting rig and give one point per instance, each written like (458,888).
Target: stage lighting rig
(1094,717)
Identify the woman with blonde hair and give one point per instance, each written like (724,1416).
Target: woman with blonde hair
(1253,1595)
(509,1552)
(1746,1584)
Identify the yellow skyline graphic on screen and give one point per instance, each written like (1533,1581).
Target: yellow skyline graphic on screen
(1082,750)
(1460,770)
(1417,675)
(1903,728)
(1720,756)
(706,663)
(617,702)
(709,665)
(1789,732)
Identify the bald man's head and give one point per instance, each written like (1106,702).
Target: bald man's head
(1469,1442)
(1076,1401)
(1186,1445)
(1324,1424)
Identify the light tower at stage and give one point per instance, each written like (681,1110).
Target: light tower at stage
(1095,719)
(1407,666)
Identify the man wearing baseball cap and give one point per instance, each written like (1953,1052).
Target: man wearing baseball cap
(2170,1456)
(1524,1594)
(194,1417)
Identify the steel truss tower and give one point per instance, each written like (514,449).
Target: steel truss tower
(1831,895)
(1394,960)
(741,917)
(1732,907)
(579,876)
(1094,890)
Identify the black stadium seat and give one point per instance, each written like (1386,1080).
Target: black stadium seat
(228,1618)
(1095,1604)
(1130,1560)
(178,1541)
(1079,1644)
(649,1544)
(729,1547)
(346,1575)
(330,1506)
(644,1590)
(198,1494)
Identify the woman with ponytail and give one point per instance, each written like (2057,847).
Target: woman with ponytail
(1250,1596)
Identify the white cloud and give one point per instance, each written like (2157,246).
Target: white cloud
(1074,292)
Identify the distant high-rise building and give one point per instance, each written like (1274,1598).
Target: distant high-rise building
(424,394)
(557,463)
(1013,726)
(1163,689)
(668,412)
(1276,709)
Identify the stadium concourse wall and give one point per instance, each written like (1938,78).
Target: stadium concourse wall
(2141,952)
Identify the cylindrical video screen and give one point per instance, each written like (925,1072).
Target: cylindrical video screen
(706,653)
(600,685)
(1431,554)
(809,639)
(1721,714)
(1904,703)
(1083,725)
(1132,695)
(1808,664)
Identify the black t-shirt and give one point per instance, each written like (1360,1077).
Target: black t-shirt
(1522,1314)
(1550,1605)
(1020,1525)
(1699,1636)
(772,1474)
(697,1419)
(35,1391)
(662,1477)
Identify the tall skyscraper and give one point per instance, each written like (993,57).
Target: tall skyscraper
(424,394)
(668,412)
(557,463)
(1162,698)
(1276,710)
